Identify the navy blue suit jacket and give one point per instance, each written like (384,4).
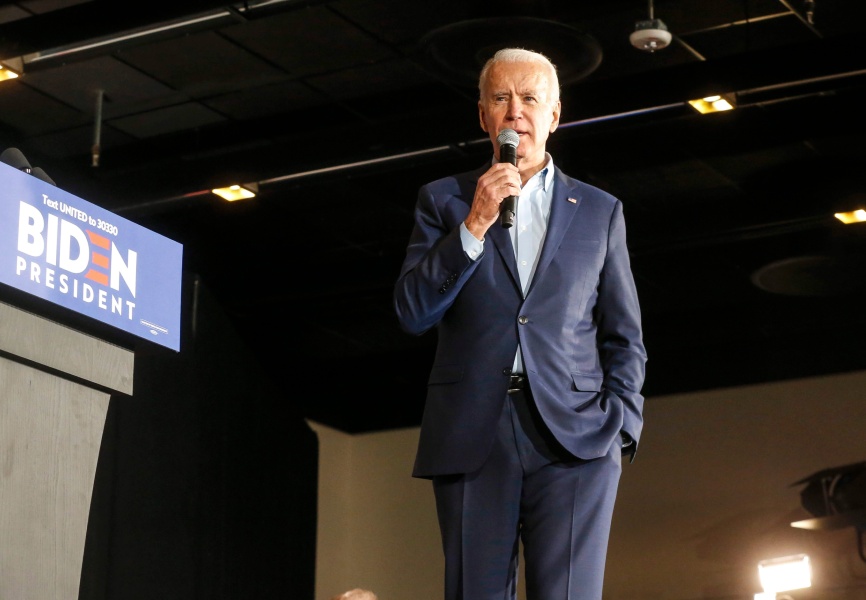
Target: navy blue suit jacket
(579,325)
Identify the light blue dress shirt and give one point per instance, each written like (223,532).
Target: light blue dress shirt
(527,233)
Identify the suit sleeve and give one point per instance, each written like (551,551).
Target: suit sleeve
(436,266)
(620,336)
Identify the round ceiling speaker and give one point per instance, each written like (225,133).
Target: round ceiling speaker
(457,51)
(817,275)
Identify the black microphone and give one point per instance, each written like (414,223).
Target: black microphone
(508,141)
(39,173)
(15,158)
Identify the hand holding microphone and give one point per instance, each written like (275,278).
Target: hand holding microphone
(508,141)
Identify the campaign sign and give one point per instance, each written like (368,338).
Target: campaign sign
(70,252)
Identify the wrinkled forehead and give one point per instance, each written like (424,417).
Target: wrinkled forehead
(521,78)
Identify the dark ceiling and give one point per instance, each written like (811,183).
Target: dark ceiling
(339,110)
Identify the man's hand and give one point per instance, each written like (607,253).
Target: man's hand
(500,181)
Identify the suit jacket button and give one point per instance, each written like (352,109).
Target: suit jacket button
(523,320)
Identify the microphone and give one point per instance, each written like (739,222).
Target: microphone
(15,158)
(39,173)
(508,141)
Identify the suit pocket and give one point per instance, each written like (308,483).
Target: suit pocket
(586,383)
(585,390)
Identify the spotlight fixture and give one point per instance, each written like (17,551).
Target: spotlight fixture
(237,192)
(837,498)
(712,104)
(650,35)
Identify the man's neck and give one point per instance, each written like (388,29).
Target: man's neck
(526,172)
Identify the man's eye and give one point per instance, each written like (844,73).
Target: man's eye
(529,99)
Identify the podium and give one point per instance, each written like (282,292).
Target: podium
(198,483)
(65,261)
(55,386)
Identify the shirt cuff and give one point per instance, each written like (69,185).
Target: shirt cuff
(471,245)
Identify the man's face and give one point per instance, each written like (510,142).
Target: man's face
(518,96)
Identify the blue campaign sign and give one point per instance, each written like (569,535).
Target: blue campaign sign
(73,253)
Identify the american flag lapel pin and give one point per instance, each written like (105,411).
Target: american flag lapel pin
(572,200)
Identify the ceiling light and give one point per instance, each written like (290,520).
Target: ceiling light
(711,104)
(785,573)
(237,192)
(7,73)
(854,216)
(650,35)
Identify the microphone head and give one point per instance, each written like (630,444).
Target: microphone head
(15,158)
(508,137)
(40,174)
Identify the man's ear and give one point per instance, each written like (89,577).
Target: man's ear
(481,118)
(557,110)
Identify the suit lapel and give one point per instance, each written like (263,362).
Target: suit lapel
(566,201)
(501,239)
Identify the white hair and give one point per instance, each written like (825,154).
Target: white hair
(520,55)
(356,594)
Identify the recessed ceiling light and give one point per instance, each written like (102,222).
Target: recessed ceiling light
(236,192)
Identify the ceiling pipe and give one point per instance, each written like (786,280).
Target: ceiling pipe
(207,19)
(459,147)
(808,20)
(97,129)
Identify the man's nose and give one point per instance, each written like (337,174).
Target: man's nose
(515,108)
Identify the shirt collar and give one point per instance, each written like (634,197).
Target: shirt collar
(546,173)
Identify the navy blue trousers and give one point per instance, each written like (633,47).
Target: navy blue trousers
(529,489)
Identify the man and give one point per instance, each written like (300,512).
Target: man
(534,394)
